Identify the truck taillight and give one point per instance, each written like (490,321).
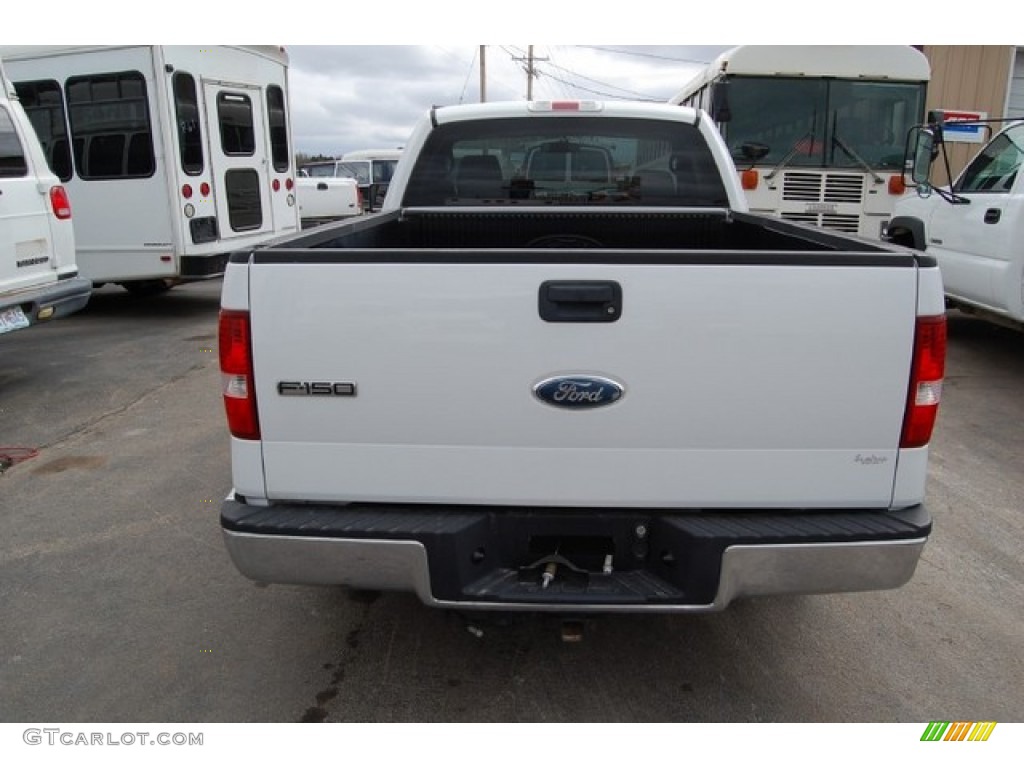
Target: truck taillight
(236,374)
(60,203)
(925,381)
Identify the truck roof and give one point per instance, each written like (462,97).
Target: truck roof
(497,109)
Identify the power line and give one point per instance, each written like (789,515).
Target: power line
(641,54)
(602,84)
(596,92)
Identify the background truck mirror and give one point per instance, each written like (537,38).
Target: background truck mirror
(920,152)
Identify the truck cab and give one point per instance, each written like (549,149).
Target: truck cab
(38,274)
(974,227)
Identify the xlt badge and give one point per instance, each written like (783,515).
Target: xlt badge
(329,388)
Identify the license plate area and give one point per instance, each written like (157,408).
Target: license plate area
(13,319)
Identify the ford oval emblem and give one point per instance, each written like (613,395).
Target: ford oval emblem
(578,391)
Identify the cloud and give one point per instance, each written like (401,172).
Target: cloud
(369,96)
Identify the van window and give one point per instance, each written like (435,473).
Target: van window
(44,103)
(12,155)
(237,134)
(110,126)
(277,120)
(190,137)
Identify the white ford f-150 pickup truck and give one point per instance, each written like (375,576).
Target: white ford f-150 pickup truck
(564,369)
(325,194)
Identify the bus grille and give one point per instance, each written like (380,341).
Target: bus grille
(843,188)
(837,221)
(841,222)
(828,188)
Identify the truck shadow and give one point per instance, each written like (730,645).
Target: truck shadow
(404,662)
(184,302)
(984,337)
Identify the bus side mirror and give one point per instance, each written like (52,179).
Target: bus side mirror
(720,111)
(921,150)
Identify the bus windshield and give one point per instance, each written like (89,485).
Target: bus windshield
(820,123)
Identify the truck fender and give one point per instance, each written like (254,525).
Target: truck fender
(907,231)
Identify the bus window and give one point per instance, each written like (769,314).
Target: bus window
(234,113)
(106,112)
(869,121)
(242,187)
(190,137)
(44,104)
(276,119)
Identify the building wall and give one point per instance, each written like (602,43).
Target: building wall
(969,77)
(1015,104)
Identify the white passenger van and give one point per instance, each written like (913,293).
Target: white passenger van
(172,156)
(38,276)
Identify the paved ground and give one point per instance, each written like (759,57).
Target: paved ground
(119,603)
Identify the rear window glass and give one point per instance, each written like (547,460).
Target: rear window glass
(12,156)
(566,161)
(44,103)
(190,132)
(237,130)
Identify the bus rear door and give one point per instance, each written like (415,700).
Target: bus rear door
(238,157)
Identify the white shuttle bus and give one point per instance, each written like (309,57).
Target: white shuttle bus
(817,132)
(172,156)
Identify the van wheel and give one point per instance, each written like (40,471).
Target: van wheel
(146,287)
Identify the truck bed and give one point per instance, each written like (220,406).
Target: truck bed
(581,229)
(752,372)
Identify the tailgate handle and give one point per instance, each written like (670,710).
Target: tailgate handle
(322,185)
(580,301)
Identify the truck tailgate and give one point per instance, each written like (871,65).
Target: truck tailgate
(776,381)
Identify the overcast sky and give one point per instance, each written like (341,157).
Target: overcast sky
(362,73)
(368,97)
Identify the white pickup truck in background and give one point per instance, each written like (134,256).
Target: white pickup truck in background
(975,229)
(566,370)
(325,193)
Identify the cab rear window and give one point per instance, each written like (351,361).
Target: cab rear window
(566,161)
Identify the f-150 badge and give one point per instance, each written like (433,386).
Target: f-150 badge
(577,392)
(335,388)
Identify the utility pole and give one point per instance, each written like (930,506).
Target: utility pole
(483,73)
(531,73)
